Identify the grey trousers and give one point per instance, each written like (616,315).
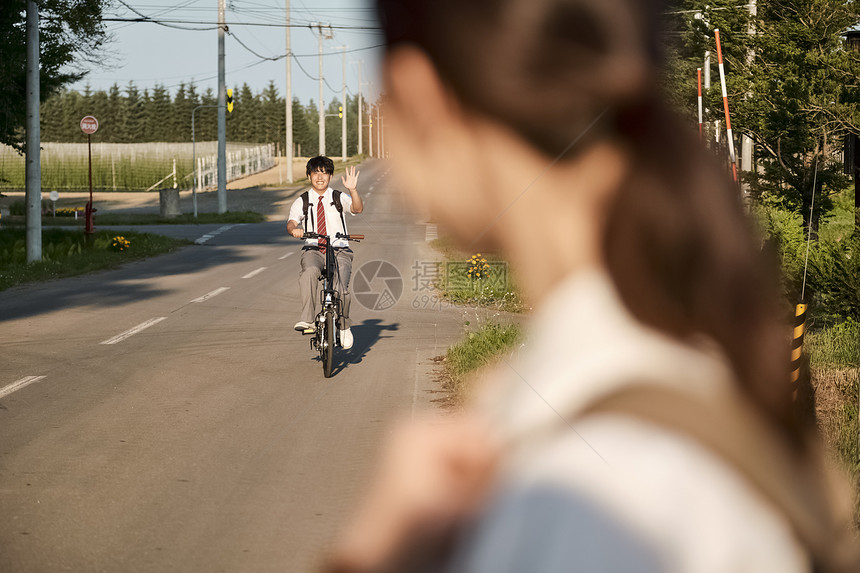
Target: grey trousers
(310,286)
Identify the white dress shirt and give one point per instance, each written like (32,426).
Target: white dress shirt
(656,496)
(333,221)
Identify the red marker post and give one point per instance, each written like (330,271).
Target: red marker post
(89,125)
(729,135)
(699,75)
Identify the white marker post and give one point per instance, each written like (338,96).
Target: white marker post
(726,107)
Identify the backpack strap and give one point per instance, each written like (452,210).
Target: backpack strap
(816,503)
(306,201)
(335,200)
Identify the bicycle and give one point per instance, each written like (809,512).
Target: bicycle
(326,335)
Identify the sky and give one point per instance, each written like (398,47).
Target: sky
(148,53)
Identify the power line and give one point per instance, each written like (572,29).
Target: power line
(165,22)
(145,18)
(241,43)
(304,70)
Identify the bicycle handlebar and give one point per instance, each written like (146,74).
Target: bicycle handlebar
(312,235)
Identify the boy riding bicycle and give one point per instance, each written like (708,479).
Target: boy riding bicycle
(320,210)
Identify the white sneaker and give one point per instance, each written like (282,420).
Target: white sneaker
(301,326)
(346,339)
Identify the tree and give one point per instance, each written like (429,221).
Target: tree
(134,122)
(157,113)
(805,99)
(306,128)
(333,129)
(71,35)
(273,115)
(792,87)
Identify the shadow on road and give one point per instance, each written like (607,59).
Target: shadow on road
(139,280)
(133,282)
(365,336)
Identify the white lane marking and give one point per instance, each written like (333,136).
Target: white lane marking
(132,331)
(211,235)
(431,234)
(285,256)
(370,188)
(209,295)
(254,273)
(18,384)
(415,386)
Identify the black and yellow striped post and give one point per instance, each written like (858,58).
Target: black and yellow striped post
(797,342)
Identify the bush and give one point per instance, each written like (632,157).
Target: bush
(783,236)
(834,278)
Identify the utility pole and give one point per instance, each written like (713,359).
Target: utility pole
(343,118)
(289,102)
(360,127)
(746,141)
(33,166)
(222,115)
(370,130)
(378,131)
(319,28)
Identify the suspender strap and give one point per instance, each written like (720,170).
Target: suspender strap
(815,502)
(306,201)
(335,199)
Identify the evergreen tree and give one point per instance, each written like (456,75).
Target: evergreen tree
(158,115)
(207,117)
(70,31)
(352,125)
(51,117)
(135,118)
(307,132)
(129,116)
(273,116)
(114,116)
(333,129)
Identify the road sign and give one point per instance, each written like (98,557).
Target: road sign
(89,125)
(54,195)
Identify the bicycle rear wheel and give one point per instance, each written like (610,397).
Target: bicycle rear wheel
(328,344)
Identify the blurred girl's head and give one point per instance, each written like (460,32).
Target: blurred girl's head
(482,86)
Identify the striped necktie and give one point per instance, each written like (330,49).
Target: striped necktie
(321,230)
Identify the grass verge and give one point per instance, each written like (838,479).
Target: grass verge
(478,349)
(493,285)
(65,254)
(834,357)
(146,219)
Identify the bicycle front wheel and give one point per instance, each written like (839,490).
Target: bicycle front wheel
(328,344)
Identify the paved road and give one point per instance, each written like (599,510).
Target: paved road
(208,440)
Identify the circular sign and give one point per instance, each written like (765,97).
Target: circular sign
(89,125)
(377,285)
(54,195)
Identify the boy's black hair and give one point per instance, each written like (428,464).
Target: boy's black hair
(320,162)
